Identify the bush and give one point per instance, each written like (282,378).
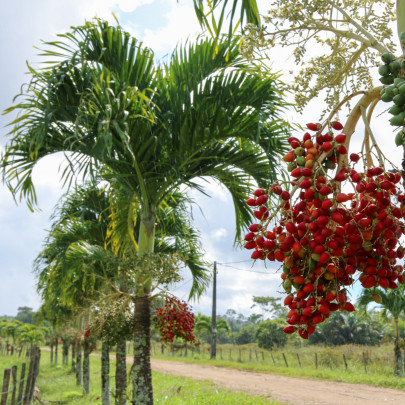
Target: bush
(270,334)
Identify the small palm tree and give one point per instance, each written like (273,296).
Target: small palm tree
(392,302)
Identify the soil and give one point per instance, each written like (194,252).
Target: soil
(288,390)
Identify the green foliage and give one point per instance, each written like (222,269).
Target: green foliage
(247,334)
(270,334)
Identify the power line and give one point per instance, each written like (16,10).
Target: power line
(240,261)
(249,271)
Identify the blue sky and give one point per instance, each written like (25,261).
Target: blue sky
(160,24)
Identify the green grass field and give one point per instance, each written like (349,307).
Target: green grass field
(56,383)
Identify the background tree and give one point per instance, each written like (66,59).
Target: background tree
(152,127)
(393,303)
(270,334)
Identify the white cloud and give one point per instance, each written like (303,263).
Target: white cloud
(219,233)
(182,24)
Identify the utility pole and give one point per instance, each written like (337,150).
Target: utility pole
(214,316)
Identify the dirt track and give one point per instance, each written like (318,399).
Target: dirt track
(290,390)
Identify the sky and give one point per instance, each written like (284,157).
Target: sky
(160,24)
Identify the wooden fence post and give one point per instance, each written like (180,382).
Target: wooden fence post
(6,385)
(21,385)
(250,354)
(344,359)
(272,357)
(365,363)
(263,356)
(316,360)
(14,383)
(257,358)
(285,360)
(299,361)
(27,391)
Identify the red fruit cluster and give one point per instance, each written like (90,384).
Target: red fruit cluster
(326,236)
(175,320)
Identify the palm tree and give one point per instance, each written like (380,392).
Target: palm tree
(150,127)
(82,259)
(393,302)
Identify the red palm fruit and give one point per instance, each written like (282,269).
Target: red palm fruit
(327,232)
(300,294)
(393,285)
(337,217)
(285,195)
(341,176)
(303,320)
(250,245)
(371,187)
(261,200)
(309,194)
(308,288)
(314,127)
(333,244)
(384,282)
(277,189)
(296,172)
(269,244)
(304,241)
(306,137)
(327,204)
(324,258)
(311,301)
(295,144)
(290,227)
(330,296)
(258,214)
(340,138)
(320,239)
(293,310)
(299,279)
(259,192)
(296,247)
(270,235)
(249,236)
(349,307)
(254,227)
(260,241)
(317,319)
(342,150)
(279,256)
(294,319)
(318,249)
(306,172)
(325,190)
(292,139)
(289,157)
(386,185)
(337,125)
(328,137)
(326,147)
(342,197)
(360,187)
(289,329)
(319,139)
(349,269)
(305,184)
(251,202)
(258,254)
(322,220)
(311,329)
(303,333)
(354,157)
(271,256)
(333,307)
(324,309)
(365,222)
(288,299)
(307,311)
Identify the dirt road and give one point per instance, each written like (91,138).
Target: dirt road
(289,390)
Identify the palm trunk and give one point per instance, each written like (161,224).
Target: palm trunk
(142,376)
(78,364)
(51,353)
(121,373)
(86,366)
(142,393)
(74,344)
(65,352)
(397,350)
(105,374)
(56,351)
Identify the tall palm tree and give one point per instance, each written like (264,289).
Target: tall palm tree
(151,127)
(392,302)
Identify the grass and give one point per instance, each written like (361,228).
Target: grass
(57,383)
(378,359)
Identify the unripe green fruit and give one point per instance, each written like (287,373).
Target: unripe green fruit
(403,64)
(389,91)
(402,89)
(286,270)
(387,57)
(301,161)
(399,99)
(387,79)
(400,138)
(395,66)
(386,98)
(291,166)
(384,70)
(398,81)
(299,151)
(395,110)
(329,164)
(402,36)
(398,120)
(395,91)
